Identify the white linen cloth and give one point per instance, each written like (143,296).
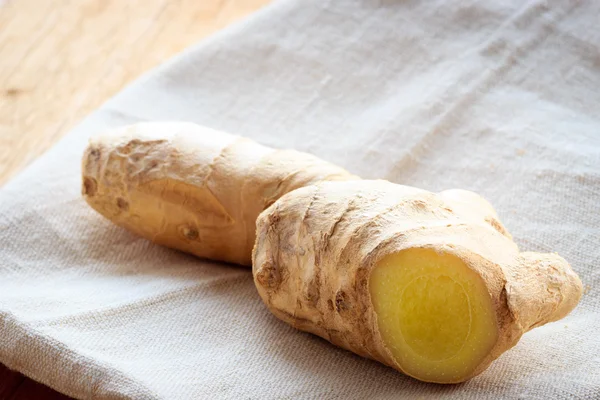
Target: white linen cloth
(502,98)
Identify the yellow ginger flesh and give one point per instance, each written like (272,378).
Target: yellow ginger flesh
(434,314)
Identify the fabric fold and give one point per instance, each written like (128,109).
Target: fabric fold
(499,98)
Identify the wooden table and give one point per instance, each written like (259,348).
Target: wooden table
(61,59)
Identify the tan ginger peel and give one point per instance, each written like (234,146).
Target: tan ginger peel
(430,284)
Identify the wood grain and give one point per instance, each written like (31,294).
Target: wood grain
(61,59)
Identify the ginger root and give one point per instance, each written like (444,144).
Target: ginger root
(192,188)
(409,278)
(429,284)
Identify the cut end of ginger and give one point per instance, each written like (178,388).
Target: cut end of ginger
(434,314)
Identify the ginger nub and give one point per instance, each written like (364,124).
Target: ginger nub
(434,314)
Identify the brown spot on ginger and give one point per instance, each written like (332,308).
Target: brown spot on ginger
(268,276)
(496,225)
(90,186)
(122,204)
(341,303)
(190,233)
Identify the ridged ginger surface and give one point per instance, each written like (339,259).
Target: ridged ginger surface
(430,284)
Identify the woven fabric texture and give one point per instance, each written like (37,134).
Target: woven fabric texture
(501,98)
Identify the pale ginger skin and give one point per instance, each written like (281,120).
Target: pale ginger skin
(193,188)
(429,284)
(318,246)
